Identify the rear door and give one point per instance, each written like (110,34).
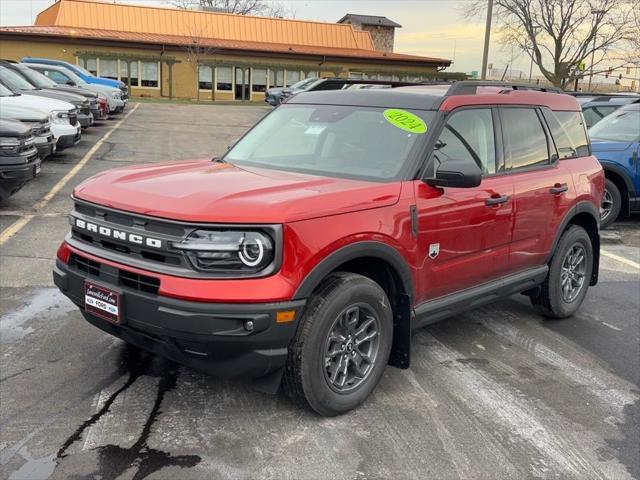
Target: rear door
(543,186)
(464,233)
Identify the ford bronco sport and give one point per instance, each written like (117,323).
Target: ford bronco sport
(339,223)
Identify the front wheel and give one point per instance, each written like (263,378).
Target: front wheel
(565,287)
(342,345)
(611,204)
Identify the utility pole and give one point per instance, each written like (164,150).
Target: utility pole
(487,37)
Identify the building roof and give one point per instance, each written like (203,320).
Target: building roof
(369,20)
(98,21)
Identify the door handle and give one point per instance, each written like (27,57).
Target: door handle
(496,200)
(559,188)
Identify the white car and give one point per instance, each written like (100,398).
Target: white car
(63,115)
(63,76)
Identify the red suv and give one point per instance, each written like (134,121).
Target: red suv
(337,225)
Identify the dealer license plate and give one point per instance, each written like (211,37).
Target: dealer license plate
(102,302)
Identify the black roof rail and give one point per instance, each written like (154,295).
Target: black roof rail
(470,87)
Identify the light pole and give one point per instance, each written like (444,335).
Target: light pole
(593,50)
(487,37)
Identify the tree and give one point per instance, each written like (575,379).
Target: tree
(197,50)
(239,7)
(563,36)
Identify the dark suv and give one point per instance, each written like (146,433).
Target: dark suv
(338,224)
(19,161)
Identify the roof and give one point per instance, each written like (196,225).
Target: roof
(92,14)
(215,43)
(436,97)
(369,20)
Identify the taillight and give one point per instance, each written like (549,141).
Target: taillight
(64,253)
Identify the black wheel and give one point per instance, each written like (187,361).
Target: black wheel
(567,282)
(611,204)
(342,345)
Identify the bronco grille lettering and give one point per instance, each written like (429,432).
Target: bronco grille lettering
(117,234)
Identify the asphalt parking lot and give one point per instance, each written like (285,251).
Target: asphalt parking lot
(497,393)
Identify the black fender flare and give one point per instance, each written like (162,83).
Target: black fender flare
(581,207)
(353,251)
(619,171)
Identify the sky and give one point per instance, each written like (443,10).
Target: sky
(429,27)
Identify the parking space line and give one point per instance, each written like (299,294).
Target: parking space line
(19,224)
(620,259)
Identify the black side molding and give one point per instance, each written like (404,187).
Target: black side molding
(443,307)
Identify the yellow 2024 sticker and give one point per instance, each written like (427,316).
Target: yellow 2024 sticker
(405,120)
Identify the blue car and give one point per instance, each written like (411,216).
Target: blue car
(615,141)
(82,73)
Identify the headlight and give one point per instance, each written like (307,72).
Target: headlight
(228,251)
(9,144)
(59,116)
(116,94)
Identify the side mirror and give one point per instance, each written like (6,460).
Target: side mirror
(70,82)
(456,174)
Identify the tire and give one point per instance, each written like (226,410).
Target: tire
(611,204)
(310,378)
(551,299)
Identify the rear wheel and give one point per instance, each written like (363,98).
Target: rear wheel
(342,345)
(565,287)
(611,204)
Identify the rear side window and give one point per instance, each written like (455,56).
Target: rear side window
(524,138)
(569,133)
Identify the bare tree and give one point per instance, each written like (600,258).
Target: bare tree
(563,36)
(197,50)
(240,7)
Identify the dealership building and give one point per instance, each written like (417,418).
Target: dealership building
(175,53)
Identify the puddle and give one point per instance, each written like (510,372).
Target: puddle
(47,304)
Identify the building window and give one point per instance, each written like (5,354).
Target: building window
(356,75)
(259,80)
(149,74)
(109,68)
(386,78)
(312,75)
(124,75)
(279,79)
(293,76)
(91,64)
(224,78)
(205,77)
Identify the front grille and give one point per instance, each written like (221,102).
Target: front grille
(40,128)
(86,109)
(115,276)
(26,144)
(73,117)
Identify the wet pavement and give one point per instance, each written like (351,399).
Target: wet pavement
(497,393)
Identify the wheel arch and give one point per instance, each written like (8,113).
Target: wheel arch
(620,178)
(587,216)
(387,267)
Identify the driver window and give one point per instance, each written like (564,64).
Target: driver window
(468,135)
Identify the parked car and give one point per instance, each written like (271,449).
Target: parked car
(585,97)
(83,73)
(97,106)
(616,142)
(279,95)
(63,76)
(19,160)
(336,225)
(596,109)
(18,84)
(40,125)
(63,115)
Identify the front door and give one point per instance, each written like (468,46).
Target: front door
(243,84)
(464,233)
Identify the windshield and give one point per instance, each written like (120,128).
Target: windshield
(5,92)
(83,70)
(37,78)
(621,126)
(14,80)
(302,84)
(335,141)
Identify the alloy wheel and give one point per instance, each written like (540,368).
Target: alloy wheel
(572,276)
(606,206)
(351,348)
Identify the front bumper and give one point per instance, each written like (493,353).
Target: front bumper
(85,120)
(46,145)
(14,177)
(211,337)
(69,140)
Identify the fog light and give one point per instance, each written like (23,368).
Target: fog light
(248,326)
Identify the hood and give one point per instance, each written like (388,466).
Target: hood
(75,90)
(598,145)
(76,100)
(13,128)
(22,113)
(202,191)
(37,102)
